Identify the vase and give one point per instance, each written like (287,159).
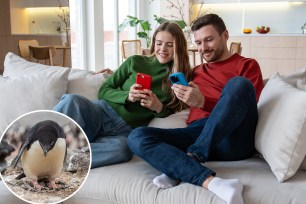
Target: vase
(65,37)
(189,36)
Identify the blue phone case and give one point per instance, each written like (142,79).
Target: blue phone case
(178,78)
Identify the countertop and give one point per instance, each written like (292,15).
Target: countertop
(268,34)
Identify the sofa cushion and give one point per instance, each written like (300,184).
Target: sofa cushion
(281,129)
(85,83)
(131,183)
(21,94)
(176,120)
(80,82)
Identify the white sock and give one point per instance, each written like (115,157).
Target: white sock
(163,181)
(229,190)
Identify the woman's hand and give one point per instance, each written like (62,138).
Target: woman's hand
(151,102)
(105,70)
(190,95)
(146,97)
(135,94)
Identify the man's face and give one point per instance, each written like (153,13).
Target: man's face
(211,45)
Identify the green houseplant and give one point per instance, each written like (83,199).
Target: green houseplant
(133,22)
(146,26)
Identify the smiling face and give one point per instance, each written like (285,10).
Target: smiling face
(211,45)
(164,47)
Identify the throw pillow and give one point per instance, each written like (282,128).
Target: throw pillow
(85,83)
(281,129)
(80,82)
(176,120)
(22,94)
(14,65)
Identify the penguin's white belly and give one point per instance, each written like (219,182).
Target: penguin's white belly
(36,165)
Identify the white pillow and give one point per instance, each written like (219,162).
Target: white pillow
(14,65)
(176,120)
(85,83)
(281,129)
(22,94)
(297,79)
(80,82)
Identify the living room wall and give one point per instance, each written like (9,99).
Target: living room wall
(9,42)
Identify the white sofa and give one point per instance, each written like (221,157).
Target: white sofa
(131,182)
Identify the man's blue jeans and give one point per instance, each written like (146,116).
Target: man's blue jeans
(226,135)
(106,131)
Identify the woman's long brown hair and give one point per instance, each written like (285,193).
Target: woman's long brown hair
(180,61)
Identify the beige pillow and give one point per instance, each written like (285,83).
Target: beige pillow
(281,129)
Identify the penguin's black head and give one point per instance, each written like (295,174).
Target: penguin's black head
(47,135)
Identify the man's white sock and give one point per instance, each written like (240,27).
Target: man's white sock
(229,190)
(163,181)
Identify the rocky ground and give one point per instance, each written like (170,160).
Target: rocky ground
(68,183)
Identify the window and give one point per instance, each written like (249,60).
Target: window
(112,39)
(96,40)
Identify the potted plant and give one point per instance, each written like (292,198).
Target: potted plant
(133,22)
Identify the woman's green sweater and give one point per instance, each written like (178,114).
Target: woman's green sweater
(115,89)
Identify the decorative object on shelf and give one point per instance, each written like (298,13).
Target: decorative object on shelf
(179,6)
(180,17)
(247,30)
(263,29)
(189,36)
(65,37)
(304,28)
(65,18)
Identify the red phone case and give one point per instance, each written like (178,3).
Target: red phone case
(144,80)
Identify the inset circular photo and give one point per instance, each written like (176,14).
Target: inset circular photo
(46,157)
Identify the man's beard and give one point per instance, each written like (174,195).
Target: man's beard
(216,55)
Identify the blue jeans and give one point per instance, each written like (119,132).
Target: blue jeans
(106,131)
(226,135)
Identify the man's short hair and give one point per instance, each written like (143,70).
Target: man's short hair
(209,19)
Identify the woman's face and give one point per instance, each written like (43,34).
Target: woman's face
(164,47)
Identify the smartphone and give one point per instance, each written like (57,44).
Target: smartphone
(144,80)
(178,78)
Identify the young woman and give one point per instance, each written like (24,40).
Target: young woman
(123,105)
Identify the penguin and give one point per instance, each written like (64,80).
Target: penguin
(42,153)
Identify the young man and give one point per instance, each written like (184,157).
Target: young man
(223,116)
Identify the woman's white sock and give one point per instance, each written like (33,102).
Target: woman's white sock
(163,181)
(229,190)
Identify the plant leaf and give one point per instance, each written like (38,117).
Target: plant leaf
(161,20)
(142,34)
(124,24)
(146,26)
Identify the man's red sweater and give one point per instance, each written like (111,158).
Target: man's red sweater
(212,77)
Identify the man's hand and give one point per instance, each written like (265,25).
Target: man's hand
(190,95)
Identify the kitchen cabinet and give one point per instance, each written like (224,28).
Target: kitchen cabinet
(282,18)
(247,1)
(37,3)
(274,53)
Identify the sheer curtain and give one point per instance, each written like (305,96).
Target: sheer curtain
(94,34)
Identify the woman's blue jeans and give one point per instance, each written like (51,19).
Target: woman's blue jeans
(106,131)
(226,135)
